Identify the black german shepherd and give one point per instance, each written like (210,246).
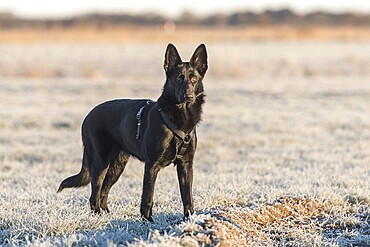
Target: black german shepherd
(159,133)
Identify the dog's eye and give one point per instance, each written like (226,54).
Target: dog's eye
(193,79)
(180,78)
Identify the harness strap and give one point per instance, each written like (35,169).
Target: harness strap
(185,138)
(138,118)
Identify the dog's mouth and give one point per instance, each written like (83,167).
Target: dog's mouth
(185,102)
(189,104)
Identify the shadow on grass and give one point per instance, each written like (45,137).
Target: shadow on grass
(120,231)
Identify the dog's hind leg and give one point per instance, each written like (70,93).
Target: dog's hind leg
(116,167)
(102,154)
(98,172)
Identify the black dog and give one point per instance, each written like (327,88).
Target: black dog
(159,133)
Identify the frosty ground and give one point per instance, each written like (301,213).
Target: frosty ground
(283,157)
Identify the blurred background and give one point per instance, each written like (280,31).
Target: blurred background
(76,39)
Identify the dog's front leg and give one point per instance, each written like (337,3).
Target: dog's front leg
(185,176)
(150,175)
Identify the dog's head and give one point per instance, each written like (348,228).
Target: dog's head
(184,79)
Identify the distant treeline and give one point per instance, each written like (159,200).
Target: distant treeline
(245,18)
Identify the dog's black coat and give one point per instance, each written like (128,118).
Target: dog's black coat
(109,135)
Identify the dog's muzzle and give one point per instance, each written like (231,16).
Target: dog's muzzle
(189,98)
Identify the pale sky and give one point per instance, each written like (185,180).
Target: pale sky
(171,8)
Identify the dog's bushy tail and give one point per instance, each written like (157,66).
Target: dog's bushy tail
(80,179)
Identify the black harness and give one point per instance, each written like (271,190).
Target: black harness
(184,137)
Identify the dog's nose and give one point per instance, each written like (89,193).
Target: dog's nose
(188,96)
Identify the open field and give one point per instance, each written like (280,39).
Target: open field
(283,157)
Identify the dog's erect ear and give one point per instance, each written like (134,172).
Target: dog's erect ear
(199,59)
(171,58)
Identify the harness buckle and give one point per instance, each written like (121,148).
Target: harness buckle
(187,139)
(138,114)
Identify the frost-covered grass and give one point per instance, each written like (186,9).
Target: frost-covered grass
(283,157)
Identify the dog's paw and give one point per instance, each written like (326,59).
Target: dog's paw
(147,219)
(105,209)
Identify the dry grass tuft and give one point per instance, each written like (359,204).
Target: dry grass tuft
(236,224)
(288,220)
